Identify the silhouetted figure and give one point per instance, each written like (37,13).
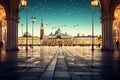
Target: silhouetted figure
(117,43)
(99,45)
(1,44)
(30,45)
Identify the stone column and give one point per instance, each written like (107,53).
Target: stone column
(12,32)
(107,32)
(0,30)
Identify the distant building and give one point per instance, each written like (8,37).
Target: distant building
(84,40)
(59,38)
(22,40)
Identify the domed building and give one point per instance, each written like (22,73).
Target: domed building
(57,31)
(58,35)
(27,34)
(22,40)
(57,38)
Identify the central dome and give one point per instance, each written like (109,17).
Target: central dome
(57,31)
(27,34)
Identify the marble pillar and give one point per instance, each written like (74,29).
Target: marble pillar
(107,32)
(12,32)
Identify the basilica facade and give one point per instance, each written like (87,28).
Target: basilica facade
(58,38)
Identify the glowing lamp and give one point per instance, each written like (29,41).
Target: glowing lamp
(24,2)
(94,3)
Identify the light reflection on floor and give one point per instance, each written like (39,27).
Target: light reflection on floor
(43,51)
(79,60)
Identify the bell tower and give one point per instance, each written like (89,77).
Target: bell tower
(41,30)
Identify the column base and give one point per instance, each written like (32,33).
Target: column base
(105,49)
(12,49)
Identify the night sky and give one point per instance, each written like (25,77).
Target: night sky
(71,16)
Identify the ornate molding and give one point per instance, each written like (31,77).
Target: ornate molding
(12,17)
(107,17)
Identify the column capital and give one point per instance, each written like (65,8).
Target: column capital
(107,17)
(12,17)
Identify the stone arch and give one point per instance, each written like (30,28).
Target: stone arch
(107,19)
(116,23)
(114,4)
(3,25)
(115,29)
(12,11)
(6,5)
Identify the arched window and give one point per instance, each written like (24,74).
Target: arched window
(58,37)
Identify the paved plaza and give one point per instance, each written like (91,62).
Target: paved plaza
(59,63)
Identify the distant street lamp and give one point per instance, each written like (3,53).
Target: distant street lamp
(22,35)
(94,4)
(33,21)
(24,5)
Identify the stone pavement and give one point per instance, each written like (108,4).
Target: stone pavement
(59,63)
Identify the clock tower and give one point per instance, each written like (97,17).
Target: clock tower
(41,30)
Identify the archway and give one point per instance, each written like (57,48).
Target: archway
(109,36)
(9,23)
(3,26)
(116,26)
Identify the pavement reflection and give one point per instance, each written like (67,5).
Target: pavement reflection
(68,62)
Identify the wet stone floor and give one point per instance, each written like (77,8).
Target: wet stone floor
(59,63)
